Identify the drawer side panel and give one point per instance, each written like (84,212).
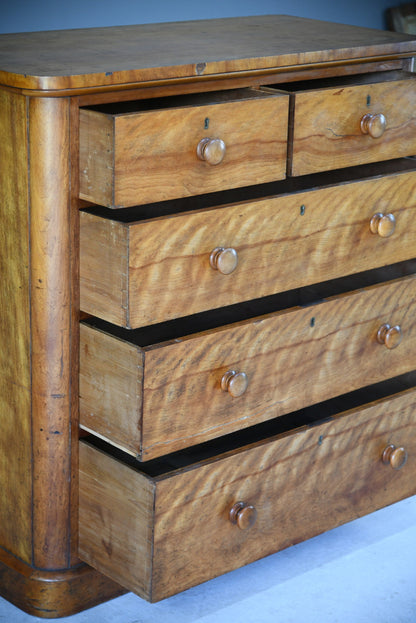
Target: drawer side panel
(111,382)
(115,520)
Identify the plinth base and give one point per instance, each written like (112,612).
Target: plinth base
(53,594)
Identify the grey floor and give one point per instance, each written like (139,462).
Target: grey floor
(363,572)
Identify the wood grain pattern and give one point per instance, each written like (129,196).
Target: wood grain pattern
(52,594)
(191,505)
(304,238)
(104,251)
(51,317)
(154,152)
(332,138)
(133,535)
(112,375)
(293,358)
(86,58)
(15,381)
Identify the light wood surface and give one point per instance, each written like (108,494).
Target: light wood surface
(333,138)
(238,367)
(304,238)
(15,375)
(51,322)
(130,54)
(137,158)
(194,539)
(292,358)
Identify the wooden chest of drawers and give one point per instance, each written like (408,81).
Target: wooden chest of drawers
(208,298)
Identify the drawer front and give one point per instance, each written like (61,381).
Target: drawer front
(178,393)
(329,131)
(151,156)
(143,273)
(156,536)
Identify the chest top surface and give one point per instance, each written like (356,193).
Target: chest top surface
(121,55)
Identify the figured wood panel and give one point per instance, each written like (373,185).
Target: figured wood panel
(304,238)
(15,382)
(115,519)
(193,539)
(327,133)
(84,58)
(292,359)
(301,485)
(155,152)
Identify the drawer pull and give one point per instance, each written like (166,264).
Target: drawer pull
(374,125)
(224,260)
(235,383)
(211,150)
(383,224)
(243,515)
(389,336)
(395,457)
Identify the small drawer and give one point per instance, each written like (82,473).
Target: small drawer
(162,149)
(152,393)
(352,124)
(135,273)
(163,528)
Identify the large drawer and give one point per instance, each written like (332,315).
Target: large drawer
(181,146)
(135,273)
(350,125)
(151,397)
(160,532)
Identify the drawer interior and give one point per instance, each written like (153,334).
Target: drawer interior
(179,101)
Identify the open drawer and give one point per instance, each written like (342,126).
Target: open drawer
(144,266)
(352,123)
(152,392)
(152,150)
(160,528)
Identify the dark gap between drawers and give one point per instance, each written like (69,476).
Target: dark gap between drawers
(344,81)
(299,297)
(178,101)
(249,193)
(310,416)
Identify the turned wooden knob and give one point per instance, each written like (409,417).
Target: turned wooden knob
(389,336)
(395,457)
(243,515)
(211,150)
(235,383)
(374,125)
(224,260)
(383,224)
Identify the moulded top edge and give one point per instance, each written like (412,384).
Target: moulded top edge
(117,55)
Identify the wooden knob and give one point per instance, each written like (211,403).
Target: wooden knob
(211,150)
(395,457)
(224,260)
(389,336)
(383,224)
(374,125)
(243,515)
(235,383)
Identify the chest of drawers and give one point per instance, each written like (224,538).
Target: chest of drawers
(208,298)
